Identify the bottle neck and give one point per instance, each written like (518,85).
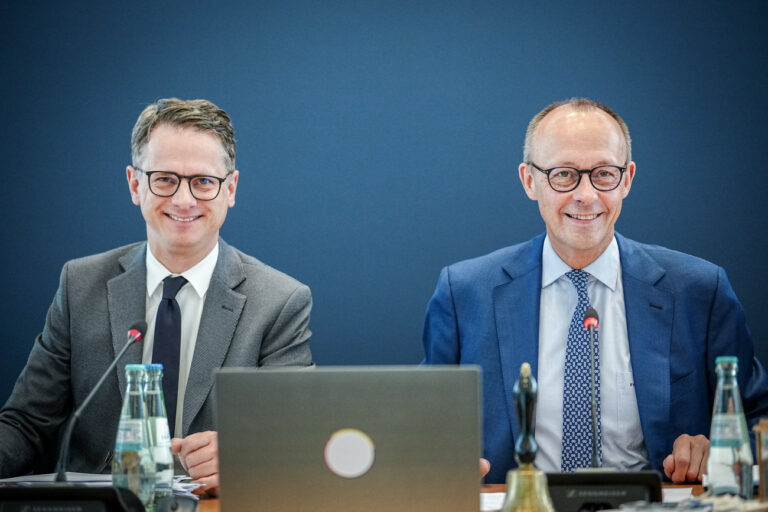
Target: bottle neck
(726,369)
(154,399)
(134,406)
(728,398)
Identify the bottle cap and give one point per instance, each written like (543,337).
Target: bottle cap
(134,367)
(726,359)
(154,366)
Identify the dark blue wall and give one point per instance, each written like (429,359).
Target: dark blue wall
(378,141)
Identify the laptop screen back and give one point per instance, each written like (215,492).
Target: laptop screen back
(372,439)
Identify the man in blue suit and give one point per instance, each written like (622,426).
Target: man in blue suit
(664,316)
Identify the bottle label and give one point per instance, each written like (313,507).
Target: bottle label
(130,435)
(159,431)
(727,430)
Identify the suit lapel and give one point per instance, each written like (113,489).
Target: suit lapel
(649,311)
(126,295)
(516,309)
(221,313)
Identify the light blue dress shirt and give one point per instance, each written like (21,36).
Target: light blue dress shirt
(622,437)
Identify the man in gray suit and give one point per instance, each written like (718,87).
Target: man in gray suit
(235,310)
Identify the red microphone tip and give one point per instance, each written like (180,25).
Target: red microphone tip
(135,334)
(590,322)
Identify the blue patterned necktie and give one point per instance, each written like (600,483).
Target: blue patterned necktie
(166,347)
(577,391)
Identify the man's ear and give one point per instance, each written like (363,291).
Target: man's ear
(132,175)
(526,178)
(232,187)
(629,175)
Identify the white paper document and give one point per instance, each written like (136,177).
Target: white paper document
(491,501)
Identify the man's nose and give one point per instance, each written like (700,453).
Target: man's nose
(585,192)
(183,195)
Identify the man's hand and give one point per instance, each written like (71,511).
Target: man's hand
(199,454)
(688,460)
(485,467)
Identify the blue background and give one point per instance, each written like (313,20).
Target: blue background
(377,141)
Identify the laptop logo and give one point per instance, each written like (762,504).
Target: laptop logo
(349,453)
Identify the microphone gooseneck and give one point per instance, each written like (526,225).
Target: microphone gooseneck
(135,334)
(591,321)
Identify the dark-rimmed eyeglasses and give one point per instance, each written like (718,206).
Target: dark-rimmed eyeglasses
(166,184)
(564,179)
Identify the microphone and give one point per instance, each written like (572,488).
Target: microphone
(135,334)
(591,322)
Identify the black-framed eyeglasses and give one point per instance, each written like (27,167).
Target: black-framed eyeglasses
(166,183)
(564,179)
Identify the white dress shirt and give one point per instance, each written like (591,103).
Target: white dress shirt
(623,444)
(191,298)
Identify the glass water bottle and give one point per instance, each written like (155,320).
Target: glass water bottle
(729,466)
(159,432)
(133,466)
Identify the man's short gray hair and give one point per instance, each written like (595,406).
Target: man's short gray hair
(579,105)
(199,114)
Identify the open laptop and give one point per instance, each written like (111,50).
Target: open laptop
(349,439)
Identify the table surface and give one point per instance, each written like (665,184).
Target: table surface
(212,505)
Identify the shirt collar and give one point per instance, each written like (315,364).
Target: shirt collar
(605,268)
(199,276)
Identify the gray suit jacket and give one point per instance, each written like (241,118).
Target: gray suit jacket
(253,315)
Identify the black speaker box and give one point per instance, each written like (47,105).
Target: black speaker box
(602,490)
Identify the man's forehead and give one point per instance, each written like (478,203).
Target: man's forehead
(163,144)
(167,127)
(573,117)
(572,128)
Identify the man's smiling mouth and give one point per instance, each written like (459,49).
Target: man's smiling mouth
(583,217)
(183,219)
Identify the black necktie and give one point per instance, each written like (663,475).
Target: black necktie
(167,345)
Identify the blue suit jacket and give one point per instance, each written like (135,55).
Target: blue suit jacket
(681,314)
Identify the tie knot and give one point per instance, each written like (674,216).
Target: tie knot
(172,285)
(579,278)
